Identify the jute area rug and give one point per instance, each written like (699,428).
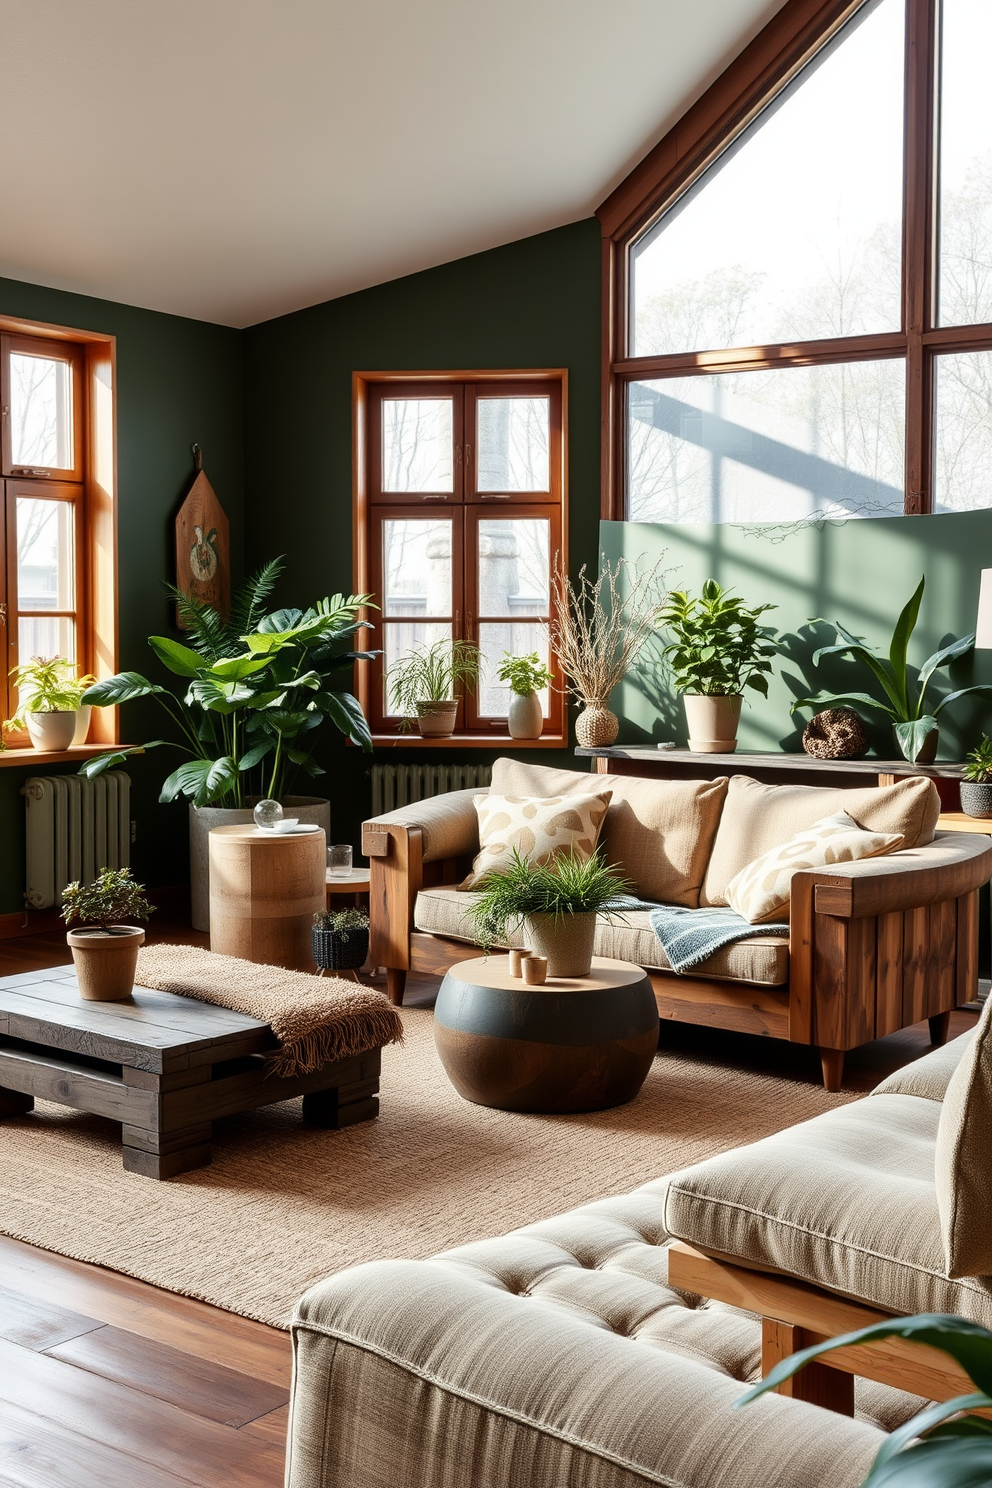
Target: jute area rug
(283,1205)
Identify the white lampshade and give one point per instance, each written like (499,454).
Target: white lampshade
(983,626)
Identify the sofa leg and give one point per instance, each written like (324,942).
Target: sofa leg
(940,1027)
(832,1061)
(395,985)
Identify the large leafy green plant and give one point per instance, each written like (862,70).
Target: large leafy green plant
(259,688)
(720,646)
(905,703)
(942,1447)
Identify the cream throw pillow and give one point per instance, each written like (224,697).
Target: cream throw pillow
(962,1167)
(761,890)
(537,827)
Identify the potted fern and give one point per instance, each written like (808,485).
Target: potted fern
(105,947)
(425,683)
(555,903)
(51,702)
(527,675)
(976,787)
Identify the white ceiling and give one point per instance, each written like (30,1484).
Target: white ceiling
(236,159)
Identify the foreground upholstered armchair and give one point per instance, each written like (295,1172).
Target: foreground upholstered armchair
(874,946)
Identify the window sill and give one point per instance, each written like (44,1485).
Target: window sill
(30,755)
(469,741)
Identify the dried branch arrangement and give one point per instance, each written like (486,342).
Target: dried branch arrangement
(597,631)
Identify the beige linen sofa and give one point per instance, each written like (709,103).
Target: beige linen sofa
(874,946)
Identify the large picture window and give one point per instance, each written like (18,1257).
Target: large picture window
(799,295)
(459,514)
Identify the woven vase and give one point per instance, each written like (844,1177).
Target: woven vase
(596,728)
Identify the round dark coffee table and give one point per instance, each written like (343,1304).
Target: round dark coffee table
(573,1044)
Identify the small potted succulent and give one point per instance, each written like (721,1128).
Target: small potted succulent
(555,903)
(425,683)
(105,948)
(527,675)
(719,648)
(51,706)
(340,939)
(976,787)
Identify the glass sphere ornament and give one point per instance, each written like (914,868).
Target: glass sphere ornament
(267,814)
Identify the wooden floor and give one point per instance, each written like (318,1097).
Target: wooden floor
(106,1382)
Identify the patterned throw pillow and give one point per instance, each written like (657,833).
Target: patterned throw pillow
(537,827)
(761,890)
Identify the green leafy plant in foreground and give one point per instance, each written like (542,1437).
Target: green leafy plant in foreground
(113,898)
(259,686)
(566,885)
(720,646)
(978,762)
(525,674)
(943,1446)
(905,699)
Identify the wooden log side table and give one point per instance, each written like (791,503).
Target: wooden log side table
(160,1065)
(265,888)
(573,1044)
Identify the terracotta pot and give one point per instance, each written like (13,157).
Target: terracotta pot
(976,798)
(436,720)
(712,722)
(525,718)
(566,940)
(51,730)
(596,728)
(105,961)
(315,810)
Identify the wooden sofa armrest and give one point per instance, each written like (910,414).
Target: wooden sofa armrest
(953,864)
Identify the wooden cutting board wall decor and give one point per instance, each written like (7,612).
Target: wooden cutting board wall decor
(203,546)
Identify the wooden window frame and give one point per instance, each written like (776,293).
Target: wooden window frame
(94,494)
(777,55)
(465,506)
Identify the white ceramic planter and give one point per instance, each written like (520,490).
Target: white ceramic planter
(82,723)
(566,940)
(51,730)
(712,722)
(525,718)
(201,818)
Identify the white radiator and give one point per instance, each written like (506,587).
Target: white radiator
(398,785)
(75,828)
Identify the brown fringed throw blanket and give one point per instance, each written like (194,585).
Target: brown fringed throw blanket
(317,1020)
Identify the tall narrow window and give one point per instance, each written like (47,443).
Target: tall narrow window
(461,514)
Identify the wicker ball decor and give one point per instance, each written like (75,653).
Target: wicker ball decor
(836,733)
(595,728)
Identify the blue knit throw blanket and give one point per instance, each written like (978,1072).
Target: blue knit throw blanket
(690,936)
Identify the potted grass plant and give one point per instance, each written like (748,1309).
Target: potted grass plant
(526,675)
(340,939)
(105,947)
(51,707)
(555,903)
(719,648)
(424,684)
(976,787)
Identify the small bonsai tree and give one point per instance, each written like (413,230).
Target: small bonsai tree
(111,899)
(978,762)
(525,674)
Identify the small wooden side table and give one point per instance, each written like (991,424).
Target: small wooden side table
(572,1044)
(356,885)
(265,888)
(958,821)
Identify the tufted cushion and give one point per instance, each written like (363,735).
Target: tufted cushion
(760,959)
(758,817)
(660,832)
(963,1167)
(538,828)
(555,1355)
(761,892)
(866,1222)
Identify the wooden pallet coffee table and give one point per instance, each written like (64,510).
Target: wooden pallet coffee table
(165,1067)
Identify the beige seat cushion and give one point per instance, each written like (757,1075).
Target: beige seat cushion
(963,1161)
(660,832)
(556,1355)
(930,1075)
(537,828)
(758,817)
(761,959)
(762,891)
(846,1201)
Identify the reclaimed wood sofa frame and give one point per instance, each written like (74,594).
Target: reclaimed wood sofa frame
(867,955)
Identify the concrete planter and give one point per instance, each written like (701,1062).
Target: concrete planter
(525,718)
(712,722)
(105,961)
(976,798)
(201,818)
(566,940)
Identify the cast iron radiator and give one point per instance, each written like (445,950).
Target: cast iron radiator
(398,785)
(74,828)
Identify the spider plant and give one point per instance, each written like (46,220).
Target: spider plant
(944,1445)
(431,674)
(260,685)
(567,885)
(905,699)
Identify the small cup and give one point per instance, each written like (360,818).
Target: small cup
(516,958)
(535,970)
(339,861)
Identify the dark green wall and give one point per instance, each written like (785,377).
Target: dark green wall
(534,303)
(177,381)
